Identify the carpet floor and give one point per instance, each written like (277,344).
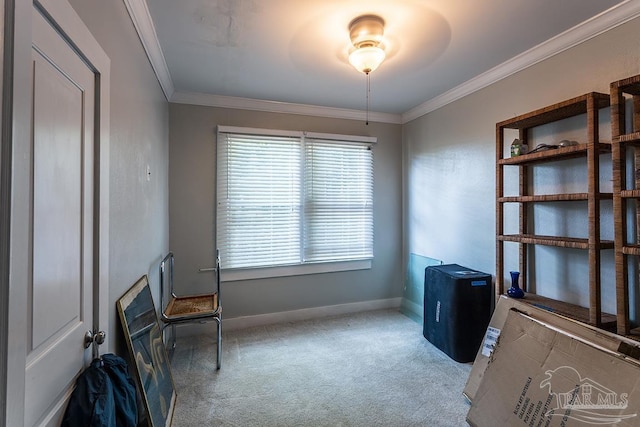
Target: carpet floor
(365,369)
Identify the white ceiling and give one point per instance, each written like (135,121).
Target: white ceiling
(295,51)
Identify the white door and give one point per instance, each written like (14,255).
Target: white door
(61,285)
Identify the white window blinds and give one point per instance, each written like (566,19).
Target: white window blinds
(287,199)
(258,216)
(338,213)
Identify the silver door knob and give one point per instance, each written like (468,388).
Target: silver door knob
(91,337)
(99,337)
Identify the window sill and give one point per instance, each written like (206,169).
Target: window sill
(293,270)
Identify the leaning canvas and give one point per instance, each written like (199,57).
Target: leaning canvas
(143,334)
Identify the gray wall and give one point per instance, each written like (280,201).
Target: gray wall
(192,149)
(449,157)
(139,220)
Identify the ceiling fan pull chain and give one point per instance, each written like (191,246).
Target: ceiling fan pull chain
(368,92)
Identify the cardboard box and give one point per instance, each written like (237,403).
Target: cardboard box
(540,376)
(594,335)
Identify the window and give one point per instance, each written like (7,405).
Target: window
(293,198)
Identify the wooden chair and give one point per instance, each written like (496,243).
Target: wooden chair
(190,308)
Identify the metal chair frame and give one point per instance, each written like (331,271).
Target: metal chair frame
(191,308)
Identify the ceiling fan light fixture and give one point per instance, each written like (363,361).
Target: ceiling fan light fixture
(366,33)
(367,59)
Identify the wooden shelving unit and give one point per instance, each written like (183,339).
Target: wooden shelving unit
(621,142)
(588,104)
(570,310)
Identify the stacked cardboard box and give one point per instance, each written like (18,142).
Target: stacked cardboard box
(536,368)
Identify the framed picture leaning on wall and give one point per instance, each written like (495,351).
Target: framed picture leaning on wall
(143,334)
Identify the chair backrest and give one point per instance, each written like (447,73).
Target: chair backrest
(166,275)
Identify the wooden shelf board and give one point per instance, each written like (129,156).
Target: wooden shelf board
(629,85)
(630,194)
(629,138)
(562,242)
(566,309)
(559,153)
(567,197)
(562,110)
(631,249)
(546,198)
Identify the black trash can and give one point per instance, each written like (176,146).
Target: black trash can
(457,309)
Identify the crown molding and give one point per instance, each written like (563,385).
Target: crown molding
(141,18)
(590,28)
(280,107)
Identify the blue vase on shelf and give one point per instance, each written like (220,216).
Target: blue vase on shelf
(514,291)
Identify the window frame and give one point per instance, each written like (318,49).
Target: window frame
(301,268)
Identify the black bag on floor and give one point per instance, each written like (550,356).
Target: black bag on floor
(105,396)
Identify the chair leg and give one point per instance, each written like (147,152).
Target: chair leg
(162,333)
(173,336)
(219,343)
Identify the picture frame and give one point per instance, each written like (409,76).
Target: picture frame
(143,334)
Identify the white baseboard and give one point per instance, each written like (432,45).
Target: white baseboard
(243,322)
(414,308)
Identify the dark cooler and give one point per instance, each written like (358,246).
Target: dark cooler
(457,309)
